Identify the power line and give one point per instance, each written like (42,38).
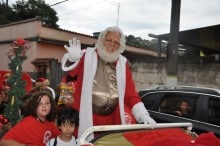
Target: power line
(90,6)
(58,3)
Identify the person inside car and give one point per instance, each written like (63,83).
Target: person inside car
(184,110)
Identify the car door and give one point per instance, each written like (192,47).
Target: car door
(167,102)
(210,114)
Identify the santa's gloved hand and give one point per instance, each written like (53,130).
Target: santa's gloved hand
(148,120)
(74,50)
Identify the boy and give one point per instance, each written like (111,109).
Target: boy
(184,110)
(67,120)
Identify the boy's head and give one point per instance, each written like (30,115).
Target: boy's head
(184,106)
(67,115)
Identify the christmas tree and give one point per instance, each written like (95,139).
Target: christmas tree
(17,56)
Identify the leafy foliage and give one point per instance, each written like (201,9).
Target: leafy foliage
(145,44)
(7,15)
(23,10)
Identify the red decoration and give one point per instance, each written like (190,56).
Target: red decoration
(3,121)
(20,41)
(170,137)
(151,137)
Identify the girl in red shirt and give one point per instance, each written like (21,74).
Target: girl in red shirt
(37,126)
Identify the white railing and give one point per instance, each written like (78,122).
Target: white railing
(85,135)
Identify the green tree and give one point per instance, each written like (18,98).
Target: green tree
(23,10)
(7,15)
(137,42)
(17,55)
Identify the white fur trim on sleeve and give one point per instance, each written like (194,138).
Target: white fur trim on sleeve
(139,110)
(64,61)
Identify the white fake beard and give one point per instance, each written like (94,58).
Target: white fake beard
(108,57)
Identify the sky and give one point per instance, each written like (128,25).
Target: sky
(134,17)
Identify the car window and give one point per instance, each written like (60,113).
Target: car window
(171,104)
(150,100)
(214,111)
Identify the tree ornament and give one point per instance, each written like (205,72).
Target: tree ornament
(12,100)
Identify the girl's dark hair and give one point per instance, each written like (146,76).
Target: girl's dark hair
(67,114)
(31,104)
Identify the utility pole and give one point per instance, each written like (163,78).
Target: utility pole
(118,13)
(6,4)
(172,56)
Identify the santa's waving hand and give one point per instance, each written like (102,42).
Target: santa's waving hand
(74,53)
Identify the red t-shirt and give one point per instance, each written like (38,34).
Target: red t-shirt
(31,131)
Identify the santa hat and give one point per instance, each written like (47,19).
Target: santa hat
(42,82)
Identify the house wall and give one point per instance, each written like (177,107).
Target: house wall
(45,50)
(19,30)
(37,34)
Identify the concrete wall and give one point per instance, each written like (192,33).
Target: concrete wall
(150,74)
(207,75)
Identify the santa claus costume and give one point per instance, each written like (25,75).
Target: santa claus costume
(105,92)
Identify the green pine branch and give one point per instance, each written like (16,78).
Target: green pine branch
(17,91)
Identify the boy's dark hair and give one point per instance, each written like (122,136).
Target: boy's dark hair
(186,101)
(31,104)
(67,114)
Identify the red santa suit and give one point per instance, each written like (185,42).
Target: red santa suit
(128,101)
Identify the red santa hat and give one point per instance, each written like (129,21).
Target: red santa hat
(42,82)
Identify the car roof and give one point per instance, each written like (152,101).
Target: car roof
(183,88)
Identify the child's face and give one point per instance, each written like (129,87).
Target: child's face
(44,107)
(67,129)
(184,106)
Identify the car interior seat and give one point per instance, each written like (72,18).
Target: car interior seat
(168,104)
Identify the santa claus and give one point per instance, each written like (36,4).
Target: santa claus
(105,92)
